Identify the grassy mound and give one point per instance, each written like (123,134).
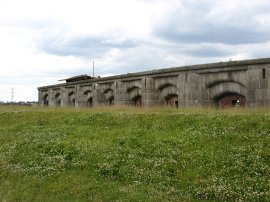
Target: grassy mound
(134,155)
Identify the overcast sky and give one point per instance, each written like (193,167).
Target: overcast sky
(42,41)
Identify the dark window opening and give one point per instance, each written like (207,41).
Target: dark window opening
(172,101)
(90,102)
(176,104)
(263,73)
(111,101)
(46,103)
(234,102)
(73,102)
(138,101)
(58,103)
(231,100)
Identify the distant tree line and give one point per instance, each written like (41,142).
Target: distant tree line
(27,103)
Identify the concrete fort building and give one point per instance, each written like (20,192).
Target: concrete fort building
(223,84)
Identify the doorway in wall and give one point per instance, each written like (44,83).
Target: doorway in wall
(172,101)
(90,102)
(111,101)
(231,100)
(46,100)
(137,101)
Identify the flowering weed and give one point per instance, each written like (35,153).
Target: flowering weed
(134,155)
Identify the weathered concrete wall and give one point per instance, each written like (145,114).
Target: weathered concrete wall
(198,85)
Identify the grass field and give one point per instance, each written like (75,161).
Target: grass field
(128,154)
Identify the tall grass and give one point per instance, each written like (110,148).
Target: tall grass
(131,154)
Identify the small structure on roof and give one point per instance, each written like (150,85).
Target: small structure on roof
(77,78)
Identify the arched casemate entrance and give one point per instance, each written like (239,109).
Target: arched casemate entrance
(137,101)
(228,100)
(135,95)
(170,94)
(89,97)
(71,99)
(110,100)
(228,93)
(57,100)
(109,95)
(172,100)
(90,102)
(46,100)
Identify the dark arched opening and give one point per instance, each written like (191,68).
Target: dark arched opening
(172,100)
(111,101)
(46,100)
(86,92)
(137,101)
(58,100)
(90,102)
(58,103)
(71,99)
(228,100)
(73,102)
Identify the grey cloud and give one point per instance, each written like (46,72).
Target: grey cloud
(205,51)
(195,22)
(84,46)
(261,54)
(216,34)
(141,58)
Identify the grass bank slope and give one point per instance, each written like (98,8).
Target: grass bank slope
(134,155)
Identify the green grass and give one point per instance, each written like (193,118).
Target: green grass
(128,154)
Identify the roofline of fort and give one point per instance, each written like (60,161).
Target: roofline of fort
(170,70)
